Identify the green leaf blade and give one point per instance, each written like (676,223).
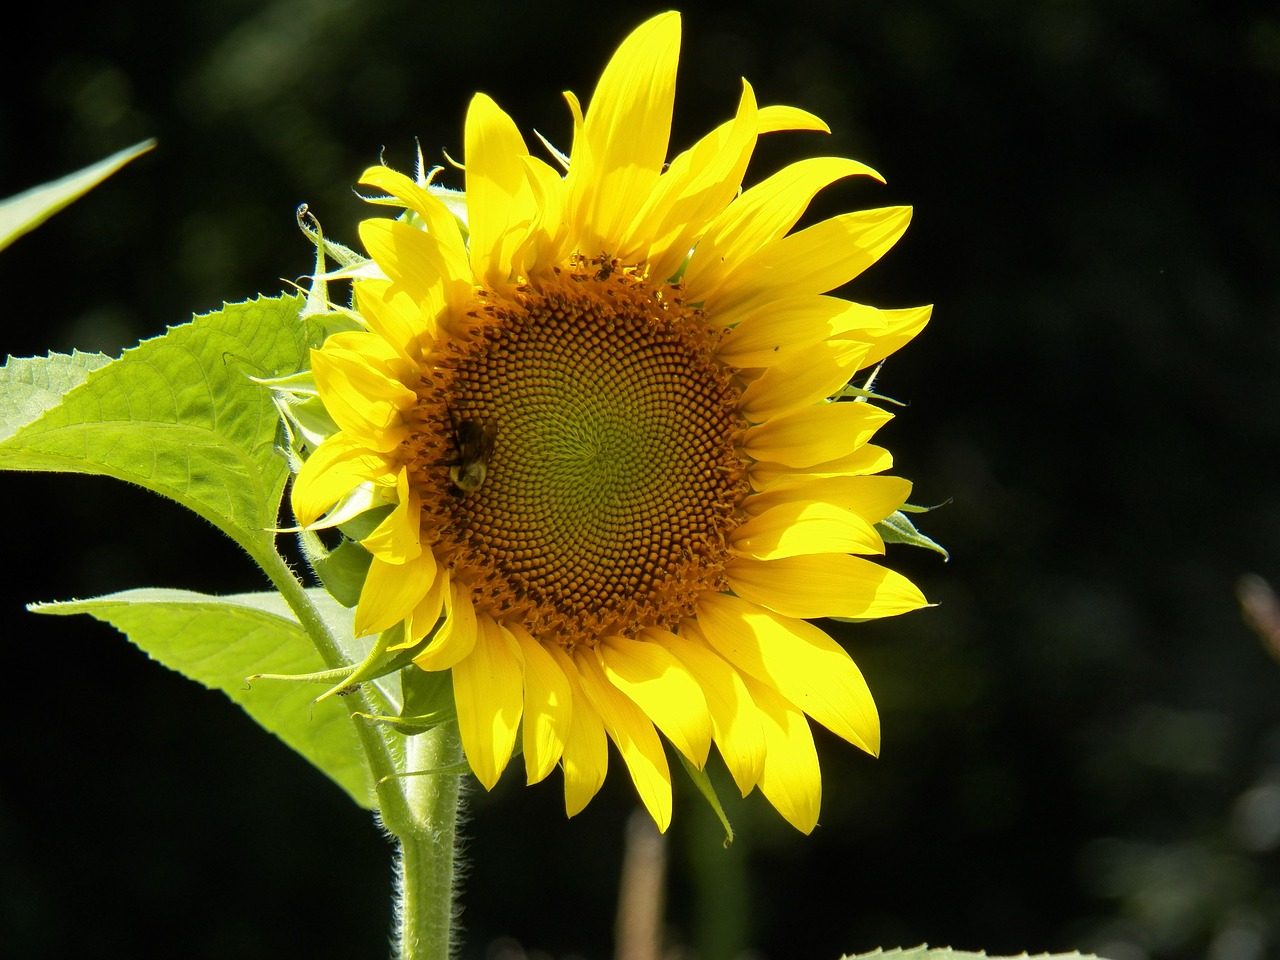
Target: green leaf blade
(219,641)
(178,415)
(30,386)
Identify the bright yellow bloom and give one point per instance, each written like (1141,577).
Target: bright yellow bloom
(600,410)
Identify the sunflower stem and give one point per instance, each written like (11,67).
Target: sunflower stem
(428,842)
(420,807)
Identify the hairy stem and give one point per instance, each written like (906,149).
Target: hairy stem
(428,843)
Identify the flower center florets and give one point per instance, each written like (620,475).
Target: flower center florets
(597,438)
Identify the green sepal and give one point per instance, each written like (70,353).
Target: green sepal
(381,661)
(321,326)
(315,676)
(428,700)
(708,791)
(363,524)
(342,570)
(321,314)
(917,508)
(864,392)
(861,393)
(898,528)
(343,255)
(218,641)
(312,419)
(303,417)
(925,952)
(452,769)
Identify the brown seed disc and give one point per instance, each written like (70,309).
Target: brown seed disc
(615,473)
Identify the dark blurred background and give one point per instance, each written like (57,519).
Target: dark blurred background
(1081,742)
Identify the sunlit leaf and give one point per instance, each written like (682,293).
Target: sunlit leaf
(219,641)
(898,528)
(31,385)
(178,415)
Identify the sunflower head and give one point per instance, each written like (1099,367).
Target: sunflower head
(604,411)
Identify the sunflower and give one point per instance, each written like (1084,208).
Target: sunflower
(601,405)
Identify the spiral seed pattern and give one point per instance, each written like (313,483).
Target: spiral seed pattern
(615,475)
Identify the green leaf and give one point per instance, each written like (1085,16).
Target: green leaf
(30,386)
(218,641)
(898,528)
(26,211)
(924,952)
(343,570)
(178,414)
(428,700)
(862,393)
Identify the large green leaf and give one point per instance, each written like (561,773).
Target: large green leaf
(178,414)
(219,641)
(29,386)
(26,211)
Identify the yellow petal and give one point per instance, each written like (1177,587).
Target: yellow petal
(716,165)
(694,188)
(777,117)
(363,400)
(824,585)
(660,685)
(449,252)
(371,349)
(500,207)
(796,659)
(798,527)
(424,617)
(779,329)
(813,374)
(761,215)
(627,128)
(398,538)
(900,327)
(456,637)
(872,498)
(815,260)
(416,262)
(548,706)
(735,722)
(487,689)
(396,317)
(815,434)
(867,459)
(791,779)
(586,751)
(634,736)
(333,470)
(391,591)
(550,240)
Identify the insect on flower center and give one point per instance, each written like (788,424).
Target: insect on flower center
(576,454)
